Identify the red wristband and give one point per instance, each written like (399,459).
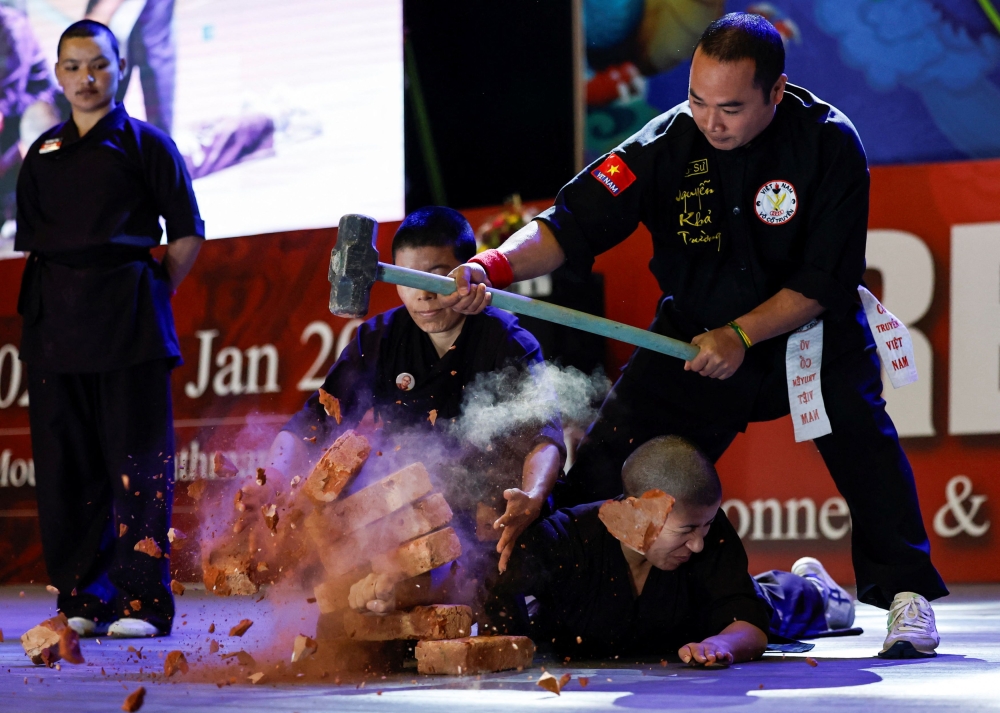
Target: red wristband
(497,267)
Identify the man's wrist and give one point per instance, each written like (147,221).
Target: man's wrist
(497,267)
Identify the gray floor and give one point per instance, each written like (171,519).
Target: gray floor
(965,675)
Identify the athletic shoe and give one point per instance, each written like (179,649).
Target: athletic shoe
(87,627)
(912,630)
(838,604)
(129,628)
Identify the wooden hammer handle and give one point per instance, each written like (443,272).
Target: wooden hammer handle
(544,310)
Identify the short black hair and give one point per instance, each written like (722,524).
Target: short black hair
(675,466)
(88,28)
(436,226)
(741,35)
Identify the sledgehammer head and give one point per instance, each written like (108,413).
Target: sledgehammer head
(353,266)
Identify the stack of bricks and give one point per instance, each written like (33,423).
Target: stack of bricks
(398,526)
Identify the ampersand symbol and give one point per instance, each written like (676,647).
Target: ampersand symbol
(956,491)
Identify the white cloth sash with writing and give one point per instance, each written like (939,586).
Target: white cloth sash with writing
(892,338)
(803,361)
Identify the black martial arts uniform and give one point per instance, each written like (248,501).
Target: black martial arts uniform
(578,573)
(99,343)
(370,374)
(367,376)
(721,247)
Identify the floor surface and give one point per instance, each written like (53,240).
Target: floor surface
(964,676)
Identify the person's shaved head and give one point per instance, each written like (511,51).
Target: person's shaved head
(671,464)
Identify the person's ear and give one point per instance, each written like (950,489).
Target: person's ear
(121,68)
(778,91)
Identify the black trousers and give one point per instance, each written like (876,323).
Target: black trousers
(87,432)
(889,544)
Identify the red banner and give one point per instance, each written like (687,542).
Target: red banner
(257,338)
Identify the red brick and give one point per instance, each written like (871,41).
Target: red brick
(420,555)
(337,467)
(480,654)
(440,621)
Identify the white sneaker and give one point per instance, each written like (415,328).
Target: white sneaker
(87,627)
(839,605)
(129,628)
(912,630)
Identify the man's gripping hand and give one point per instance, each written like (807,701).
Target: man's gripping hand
(376,592)
(471,296)
(707,652)
(720,353)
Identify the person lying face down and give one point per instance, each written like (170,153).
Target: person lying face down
(689,593)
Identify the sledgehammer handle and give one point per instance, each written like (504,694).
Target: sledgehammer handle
(544,310)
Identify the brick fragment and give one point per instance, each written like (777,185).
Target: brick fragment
(637,521)
(134,700)
(388,533)
(441,621)
(196,488)
(303,647)
(225,575)
(241,628)
(175,662)
(149,547)
(370,504)
(69,646)
(331,404)
(420,555)
(480,654)
(177,588)
(41,643)
(337,467)
(224,468)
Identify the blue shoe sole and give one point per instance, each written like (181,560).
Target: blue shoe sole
(905,650)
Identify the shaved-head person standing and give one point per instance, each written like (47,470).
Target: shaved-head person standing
(755,192)
(99,342)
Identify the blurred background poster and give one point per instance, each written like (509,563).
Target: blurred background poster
(920,79)
(288,114)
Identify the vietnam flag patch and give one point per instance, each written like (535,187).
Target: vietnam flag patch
(614,174)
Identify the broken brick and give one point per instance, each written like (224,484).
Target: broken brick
(196,489)
(175,662)
(241,628)
(224,468)
(177,588)
(69,646)
(303,648)
(636,522)
(441,621)
(413,520)
(337,467)
(549,683)
(479,654)
(41,643)
(149,547)
(370,503)
(134,700)
(420,555)
(331,404)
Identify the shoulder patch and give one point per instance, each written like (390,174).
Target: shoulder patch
(614,174)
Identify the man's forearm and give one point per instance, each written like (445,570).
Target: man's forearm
(286,453)
(533,251)
(541,470)
(180,257)
(784,312)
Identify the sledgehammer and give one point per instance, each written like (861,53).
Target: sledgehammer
(354,268)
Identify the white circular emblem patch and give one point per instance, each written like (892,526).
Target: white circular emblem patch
(776,202)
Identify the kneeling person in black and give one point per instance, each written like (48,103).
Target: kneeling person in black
(689,592)
(419,358)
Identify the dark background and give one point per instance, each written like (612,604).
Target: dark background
(497,81)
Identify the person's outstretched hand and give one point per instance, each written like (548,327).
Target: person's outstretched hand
(706,653)
(522,510)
